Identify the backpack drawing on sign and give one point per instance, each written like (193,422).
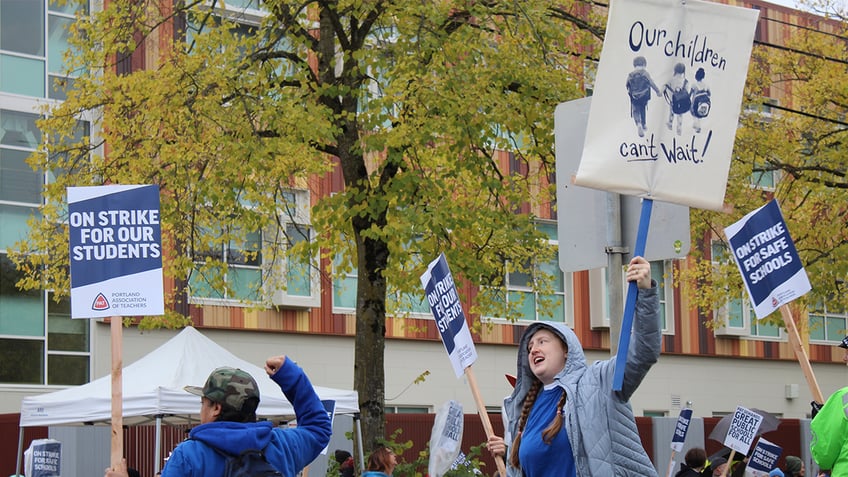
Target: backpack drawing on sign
(678,98)
(700,103)
(250,463)
(638,86)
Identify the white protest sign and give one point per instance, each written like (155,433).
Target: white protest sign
(767,259)
(666,100)
(115,251)
(43,458)
(447,310)
(445,438)
(743,429)
(763,458)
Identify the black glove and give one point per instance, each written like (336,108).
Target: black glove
(816,408)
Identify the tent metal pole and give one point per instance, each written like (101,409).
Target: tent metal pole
(359,442)
(20,450)
(157,453)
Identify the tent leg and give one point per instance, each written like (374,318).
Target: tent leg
(157,453)
(359,450)
(20,450)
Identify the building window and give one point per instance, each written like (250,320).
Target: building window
(300,285)
(251,266)
(522,298)
(344,286)
(39,343)
(228,268)
(828,324)
(662,272)
(33,40)
(737,317)
(397,303)
(764,176)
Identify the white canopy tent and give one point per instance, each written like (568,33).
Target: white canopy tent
(153,390)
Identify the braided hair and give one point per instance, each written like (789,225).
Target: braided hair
(548,434)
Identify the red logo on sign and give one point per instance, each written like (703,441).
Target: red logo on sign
(100,303)
(774,301)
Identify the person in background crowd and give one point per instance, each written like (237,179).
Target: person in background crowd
(381,463)
(794,467)
(716,468)
(345,461)
(693,463)
(564,418)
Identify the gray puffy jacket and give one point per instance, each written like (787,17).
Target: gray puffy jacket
(599,421)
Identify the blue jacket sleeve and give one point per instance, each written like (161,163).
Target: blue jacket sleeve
(302,444)
(645,340)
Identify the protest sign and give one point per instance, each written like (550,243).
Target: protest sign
(445,438)
(666,100)
(115,251)
(699,52)
(330,407)
(681,429)
(767,259)
(447,310)
(763,458)
(743,429)
(43,458)
(679,437)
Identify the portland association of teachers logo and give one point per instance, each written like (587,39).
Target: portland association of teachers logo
(100,303)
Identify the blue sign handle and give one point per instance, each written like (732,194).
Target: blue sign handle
(630,302)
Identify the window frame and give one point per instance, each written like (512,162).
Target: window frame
(599,309)
(566,293)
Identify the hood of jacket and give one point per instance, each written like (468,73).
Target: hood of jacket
(233,437)
(575,361)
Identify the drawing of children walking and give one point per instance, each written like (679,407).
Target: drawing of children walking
(676,93)
(700,100)
(639,85)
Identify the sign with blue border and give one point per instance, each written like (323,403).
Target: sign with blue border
(115,251)
(766,257)
(447,310)
(681,429)
(763,458)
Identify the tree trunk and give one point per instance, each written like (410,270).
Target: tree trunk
(369,372)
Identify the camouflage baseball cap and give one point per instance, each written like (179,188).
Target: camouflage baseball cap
(228,386)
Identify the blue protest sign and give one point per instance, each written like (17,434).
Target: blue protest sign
(447,310)
(115,251)
(763,458)
(330,407)
(681,429)
(43,458)
(766,257)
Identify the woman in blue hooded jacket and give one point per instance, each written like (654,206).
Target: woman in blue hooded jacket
(563,416)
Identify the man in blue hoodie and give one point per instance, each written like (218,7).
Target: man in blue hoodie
(228,424)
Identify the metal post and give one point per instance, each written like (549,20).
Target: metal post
(157,452)
(20,450)
(359,448)
(615,282)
